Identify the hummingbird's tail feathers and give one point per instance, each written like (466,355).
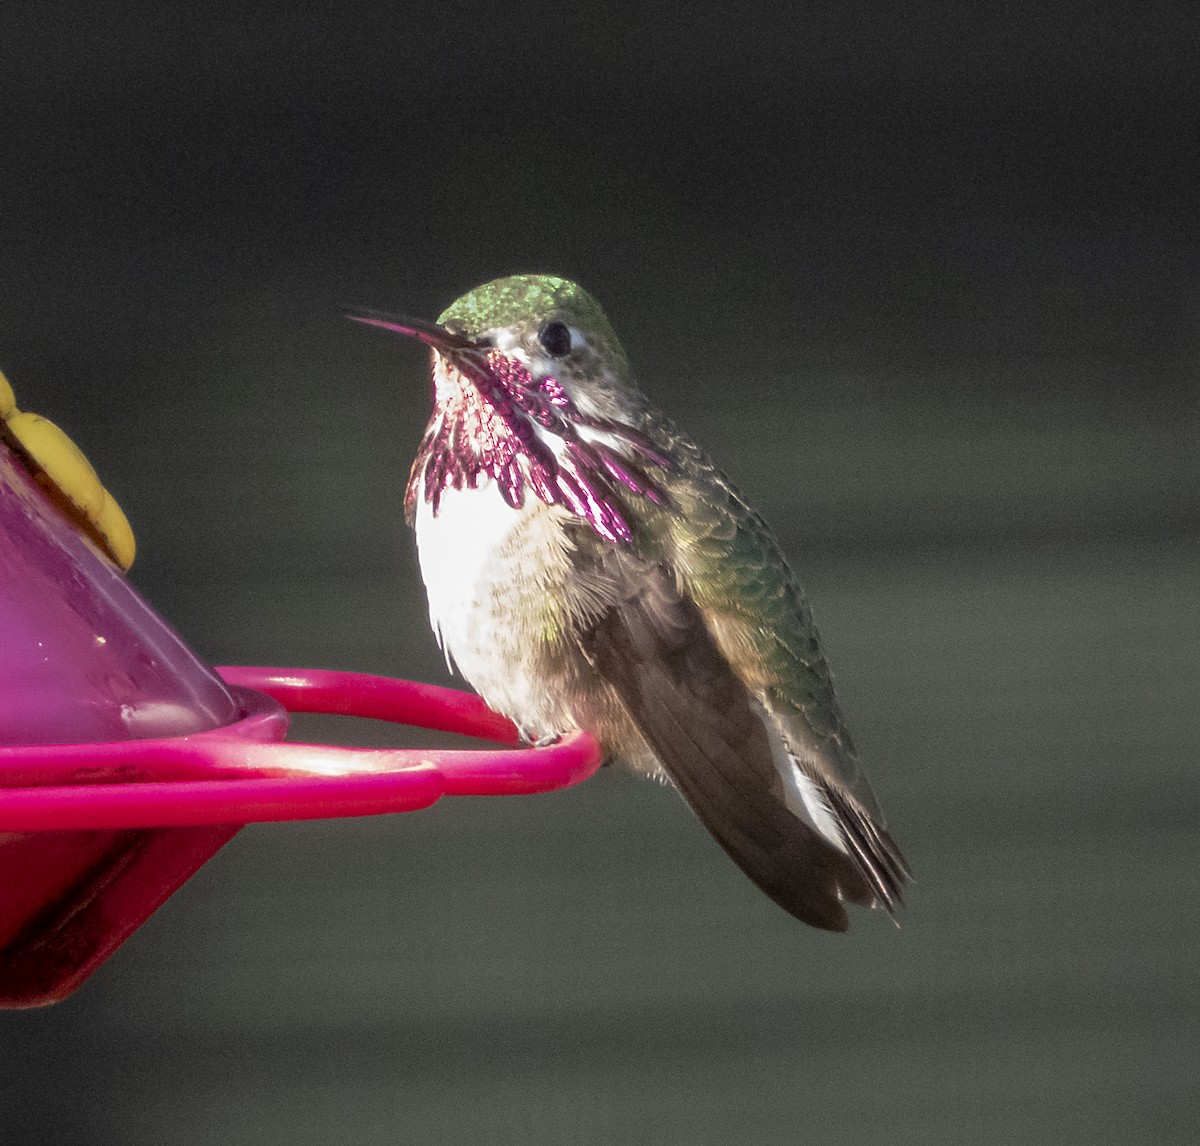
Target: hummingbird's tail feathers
(814,793)
(881,861)
(654,649)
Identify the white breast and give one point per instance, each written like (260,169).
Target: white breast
(491,574)
(464,541)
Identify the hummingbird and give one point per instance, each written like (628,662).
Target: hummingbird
(588,566)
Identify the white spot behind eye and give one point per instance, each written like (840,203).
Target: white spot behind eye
(503,338)
(577,339)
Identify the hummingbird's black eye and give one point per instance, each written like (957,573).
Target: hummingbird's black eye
(555,339)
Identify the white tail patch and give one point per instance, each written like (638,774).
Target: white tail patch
(801,794)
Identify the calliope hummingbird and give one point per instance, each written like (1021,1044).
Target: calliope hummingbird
(588,566)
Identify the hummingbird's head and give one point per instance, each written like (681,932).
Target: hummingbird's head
(551,326)
(531,390)
(548,327)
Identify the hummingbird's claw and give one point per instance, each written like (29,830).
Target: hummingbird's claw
(545,741)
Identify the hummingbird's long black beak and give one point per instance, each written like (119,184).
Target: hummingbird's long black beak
(431,333)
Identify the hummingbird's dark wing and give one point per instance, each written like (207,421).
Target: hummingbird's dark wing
(716,657)
(654,648)
(752,603)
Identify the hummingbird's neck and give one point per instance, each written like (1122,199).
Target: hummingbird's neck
(493,421)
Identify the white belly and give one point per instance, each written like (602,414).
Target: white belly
(491,573)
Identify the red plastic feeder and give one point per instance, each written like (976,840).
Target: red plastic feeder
(125,762)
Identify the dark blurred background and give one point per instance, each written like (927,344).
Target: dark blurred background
(926,280)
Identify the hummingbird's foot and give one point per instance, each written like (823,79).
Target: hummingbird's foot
(544,741)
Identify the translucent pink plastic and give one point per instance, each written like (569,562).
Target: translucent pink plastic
(83,656)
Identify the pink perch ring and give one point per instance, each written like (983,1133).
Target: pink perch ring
(244,773)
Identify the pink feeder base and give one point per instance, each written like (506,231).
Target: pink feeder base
(94,837)
(88,893)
